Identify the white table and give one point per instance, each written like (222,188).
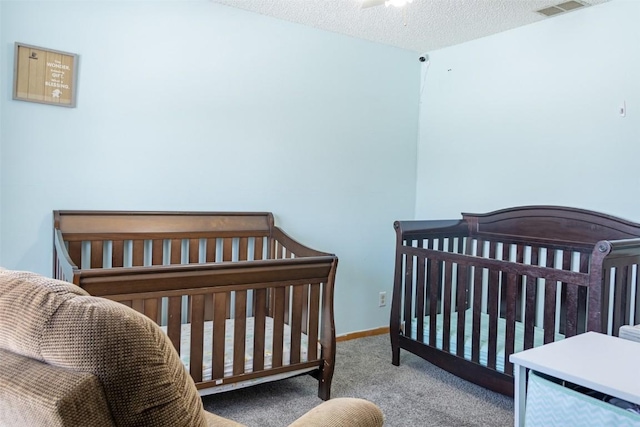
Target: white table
(600,362)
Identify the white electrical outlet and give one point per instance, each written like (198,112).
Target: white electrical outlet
(623,109)
(382,299)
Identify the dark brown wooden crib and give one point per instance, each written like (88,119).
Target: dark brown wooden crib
(241,301)
(468,293)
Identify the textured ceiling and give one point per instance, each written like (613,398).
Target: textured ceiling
(422,26)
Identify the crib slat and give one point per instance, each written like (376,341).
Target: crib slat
(138,305)
(510,321)
(197,337)
(296,327)
(194,251)
(278,327)
(605,293)
(434,287)
(219,326)
(549,311)
(243,249)
(287,306)
(260,297)
(628,304)
(535,260)
(173,322)
(446,301)
(227,249)
(492,308)
(314,321)
(620,297)
(211,250)
(239,332)
(137,250)
(582,294)
(157,252)
(519,282)
(636,303)
(567,317)
(75,252)
(151,309)
(463,275)
(271,248)
(572,310)
(117,253)
(176,251)
(477,306)
(408,286)
(427,279)
(305,309)
(96,254)
(458,286)
(420,299)
(505,256)
(535,255)
(279,250)
(530,312)
(258,248)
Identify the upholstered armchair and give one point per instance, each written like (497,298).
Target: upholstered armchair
(70,359)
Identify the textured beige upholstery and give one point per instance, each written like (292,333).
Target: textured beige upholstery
(70,359)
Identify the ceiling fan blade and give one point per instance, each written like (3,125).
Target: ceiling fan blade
(371,3)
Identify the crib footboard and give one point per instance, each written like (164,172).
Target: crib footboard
(235,324)
(240,300)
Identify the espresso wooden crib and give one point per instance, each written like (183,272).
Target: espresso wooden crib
(468,293)
(241,301)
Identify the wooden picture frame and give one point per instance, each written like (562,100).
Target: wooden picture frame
(44,75)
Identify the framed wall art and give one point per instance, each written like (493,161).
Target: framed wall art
(44,75)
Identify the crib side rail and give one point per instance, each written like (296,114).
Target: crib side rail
(168,278)
(485,293)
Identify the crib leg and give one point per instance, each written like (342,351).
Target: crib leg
(324,381)
(395,351)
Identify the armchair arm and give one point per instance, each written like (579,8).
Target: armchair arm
(342,412)
(214,420)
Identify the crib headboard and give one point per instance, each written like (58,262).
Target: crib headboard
(550,225)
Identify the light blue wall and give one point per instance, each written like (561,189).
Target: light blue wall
(196,106)
(530,116)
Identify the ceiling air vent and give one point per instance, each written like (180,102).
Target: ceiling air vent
(561,8)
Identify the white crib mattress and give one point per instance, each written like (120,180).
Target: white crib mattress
(484,336)
(185,346)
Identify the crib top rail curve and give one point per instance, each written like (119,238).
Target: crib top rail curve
(425,229)
(554,225)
